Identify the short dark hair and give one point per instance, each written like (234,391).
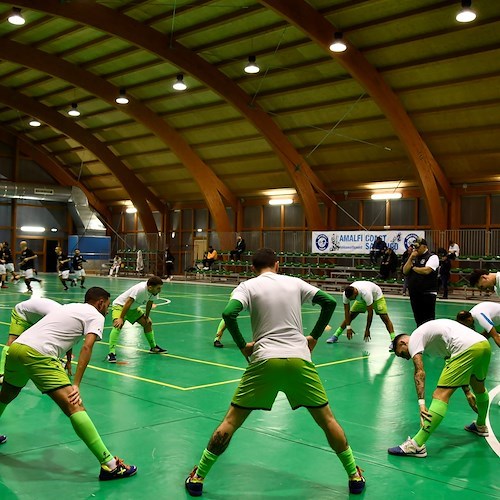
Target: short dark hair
(419,241)
(396,339)
(263,258)
(349,291)
(475,275)
(154,281)
(463,316)
(96,293)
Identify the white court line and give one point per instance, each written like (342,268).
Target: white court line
(492,439)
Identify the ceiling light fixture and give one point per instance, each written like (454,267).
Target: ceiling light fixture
(280,201)
(252,68)
(131,210)
(386,196)
(34,122)
(466,14)
(16,17)
(32,229)
(122,97)
(73,111)
(179,83)
(338,44)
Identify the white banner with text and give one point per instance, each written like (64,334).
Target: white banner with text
(361,241)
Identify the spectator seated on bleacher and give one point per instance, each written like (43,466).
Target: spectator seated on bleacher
(239,249)
(210,258)
(388,264)
(378,248)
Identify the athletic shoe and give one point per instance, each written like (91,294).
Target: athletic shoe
(5,286)
(409,449)
(194,483)
(1,379)
(73,283)
(357,483)
(29,290)
(391,347)
(157,350)
(218,343)
(111,357)
(3,439)
(121,471)
(480,430)
(65,288)
(81,286)
(332,340)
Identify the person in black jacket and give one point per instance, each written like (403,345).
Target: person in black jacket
(239,249)
(388,264)
(421,269)
(169,264)
(444,270)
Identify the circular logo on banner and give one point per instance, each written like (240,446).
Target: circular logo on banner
(322,242)
(410,239)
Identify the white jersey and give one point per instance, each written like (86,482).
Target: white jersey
(368,292)
(487,315)
(139,293)
(33,310)
(55,334)
(442,338)
(275,303)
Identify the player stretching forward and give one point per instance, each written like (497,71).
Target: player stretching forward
(467,357)
(77,264)
(368,297)
(487,315)
(126,307)
(35,354)
(280,360)
(23,316)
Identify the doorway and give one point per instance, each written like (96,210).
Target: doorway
(199,248)
(50,255)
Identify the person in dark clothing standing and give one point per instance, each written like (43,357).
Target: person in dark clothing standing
(444,270)
(77,264)
(378,248)
(9,262)
(63,267)
(421,269)
(388,264)
(169,264)
(27,264)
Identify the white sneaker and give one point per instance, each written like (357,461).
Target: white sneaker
(409,449)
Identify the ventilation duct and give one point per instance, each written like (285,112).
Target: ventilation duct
(83,216)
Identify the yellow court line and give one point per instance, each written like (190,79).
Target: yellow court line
(182,314)
(211,385)
(341,361)
(135,377)
(211,363)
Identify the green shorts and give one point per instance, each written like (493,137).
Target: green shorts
(459,369)
(17,324)
(132,315)
(297,378)
(25,363)
(379,306)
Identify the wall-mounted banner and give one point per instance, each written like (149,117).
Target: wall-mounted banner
(361,241)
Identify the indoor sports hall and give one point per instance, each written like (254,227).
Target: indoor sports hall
(158,412)
(183,140)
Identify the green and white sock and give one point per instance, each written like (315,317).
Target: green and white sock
(338,331)
(438,411)
(206,461)
(86,431)
(150,337)
(482,402)
(348,461)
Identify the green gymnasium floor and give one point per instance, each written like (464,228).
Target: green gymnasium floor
(158,412)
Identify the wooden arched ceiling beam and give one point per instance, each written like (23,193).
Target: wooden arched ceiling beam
(53,168)
(140,35)
(320,30)
(210,185)
(139,194)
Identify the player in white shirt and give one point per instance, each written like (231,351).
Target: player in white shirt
(485,280)
(127,307)
(280,360)
(485,315)
(368,297)
(35,354)
(467,357)
(23,316)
